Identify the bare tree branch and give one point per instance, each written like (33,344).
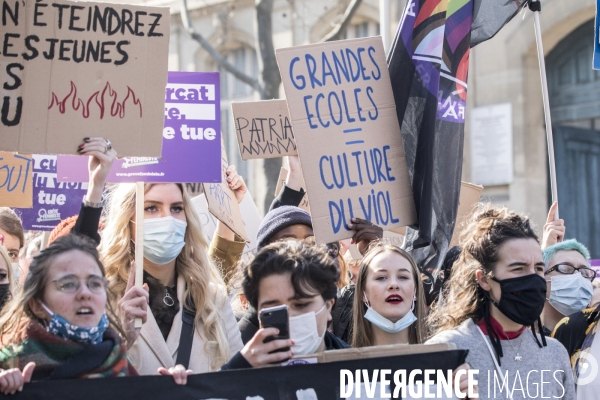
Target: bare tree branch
(343,24)
(219,59)
(270,79)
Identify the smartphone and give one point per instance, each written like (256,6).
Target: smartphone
(276,317)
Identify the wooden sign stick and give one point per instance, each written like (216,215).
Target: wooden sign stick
(139,239)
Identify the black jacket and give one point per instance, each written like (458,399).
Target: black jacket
(341,314)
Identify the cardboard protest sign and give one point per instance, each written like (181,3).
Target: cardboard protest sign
(250,217)
(347,134)
(283,173)
(52,200)
(301,381)
(16,180)
(222,202)
(72,69)
(191,138)
(469,196)
(263,129)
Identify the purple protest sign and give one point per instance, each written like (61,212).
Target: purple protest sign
(52,200)
(191,138)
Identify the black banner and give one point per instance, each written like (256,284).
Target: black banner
(276,383)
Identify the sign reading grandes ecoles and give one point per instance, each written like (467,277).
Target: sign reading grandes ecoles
(346,128)
(191,138)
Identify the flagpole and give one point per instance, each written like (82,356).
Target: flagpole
(536,7)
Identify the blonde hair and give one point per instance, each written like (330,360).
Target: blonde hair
(4,255)
(362,329)
(486,230)
(202,278)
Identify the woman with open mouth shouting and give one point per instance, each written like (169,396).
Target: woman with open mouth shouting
(59,325)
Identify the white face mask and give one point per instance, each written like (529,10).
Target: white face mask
(163,239)
(385,324)
(16,271)
(304,331)
(570,293)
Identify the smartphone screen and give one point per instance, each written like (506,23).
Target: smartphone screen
(276,317)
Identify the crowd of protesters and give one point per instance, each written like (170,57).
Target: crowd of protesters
(69,310)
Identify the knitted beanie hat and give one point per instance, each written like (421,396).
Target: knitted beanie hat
(278,219)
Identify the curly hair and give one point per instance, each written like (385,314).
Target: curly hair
(312,269)
(487,229)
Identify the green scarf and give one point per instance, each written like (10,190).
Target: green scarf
(58,358)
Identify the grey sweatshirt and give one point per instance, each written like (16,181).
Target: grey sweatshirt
(523,379)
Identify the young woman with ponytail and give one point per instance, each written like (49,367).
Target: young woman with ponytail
(494,300)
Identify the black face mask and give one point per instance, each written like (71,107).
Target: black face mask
(4,293)
(522,299)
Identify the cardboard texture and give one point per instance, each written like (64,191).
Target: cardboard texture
(53,201)
(16,180)
(222,202)
(283,173)
(469,196)
(347,134)
(191,136)
(375,352)
(250,217)
(263,129)
(72,69)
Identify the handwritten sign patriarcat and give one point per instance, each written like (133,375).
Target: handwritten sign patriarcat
(222,202)
(348,137)
(72,69)
(263,129)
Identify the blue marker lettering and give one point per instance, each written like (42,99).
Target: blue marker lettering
(323,176)
(308,114)
(298,77)
(371,51)
(311,65)
(334,94)
(362,64)
(358,107)
(388,169)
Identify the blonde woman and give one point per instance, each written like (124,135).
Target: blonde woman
(178,275)
(389,305)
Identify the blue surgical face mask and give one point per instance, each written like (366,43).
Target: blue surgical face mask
(570,293)
(385,324)
(59,326)
(163,239)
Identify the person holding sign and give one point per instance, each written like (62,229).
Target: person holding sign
(186,289)
(303,277)
(496,291)
(389,305)
(60,326)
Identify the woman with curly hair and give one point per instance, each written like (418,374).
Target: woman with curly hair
(496,292)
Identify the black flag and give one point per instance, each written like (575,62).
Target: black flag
(428,63)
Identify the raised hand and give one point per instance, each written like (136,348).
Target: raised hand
(554,230)
(236,183)
(366,232)
(178,372)
(102,156)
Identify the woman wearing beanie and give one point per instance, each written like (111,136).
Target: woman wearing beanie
(496,292)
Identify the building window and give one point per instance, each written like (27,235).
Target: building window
(361,29)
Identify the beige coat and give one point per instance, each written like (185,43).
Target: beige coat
(150,351)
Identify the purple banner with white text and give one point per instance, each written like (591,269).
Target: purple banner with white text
(53,201)
(191,138)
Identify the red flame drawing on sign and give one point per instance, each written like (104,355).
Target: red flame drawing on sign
(116,108)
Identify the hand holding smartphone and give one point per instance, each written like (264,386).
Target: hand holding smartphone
(276,317)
